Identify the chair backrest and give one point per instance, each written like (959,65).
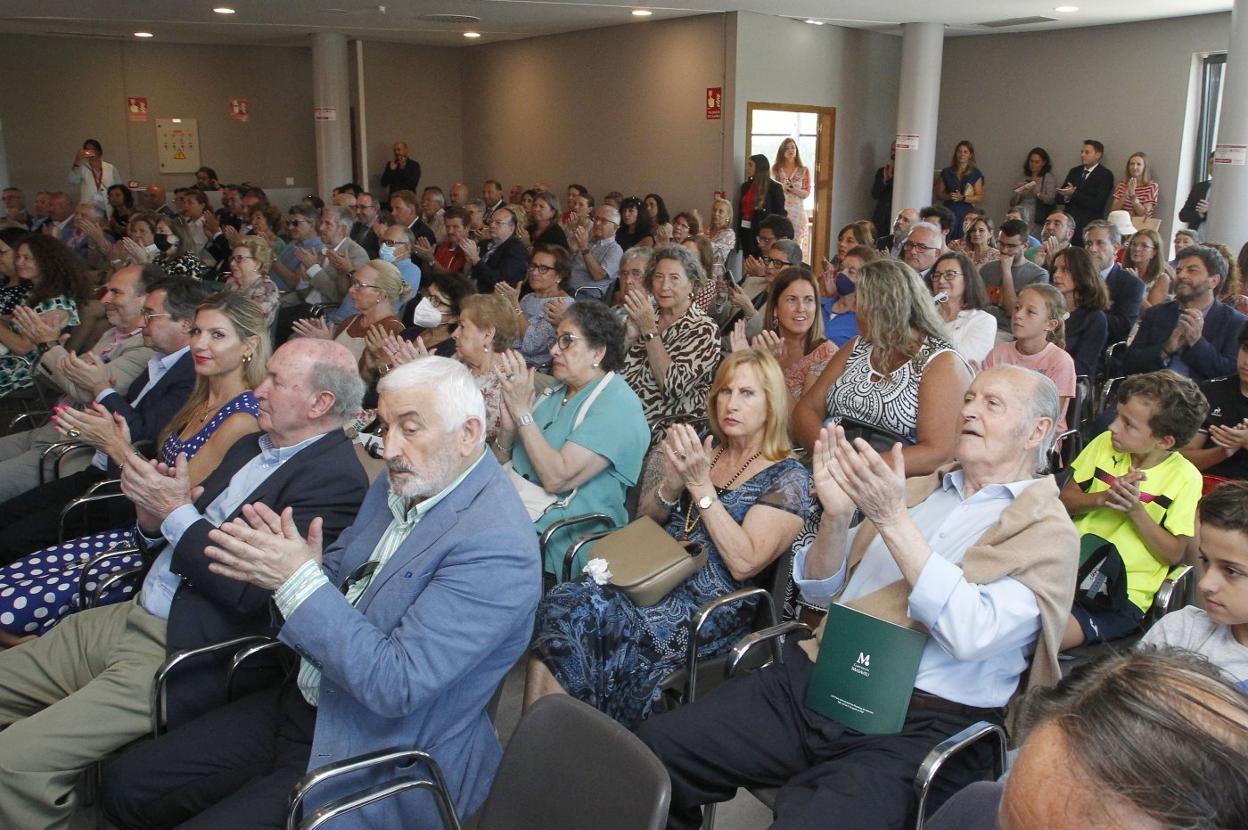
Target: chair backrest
(570,767)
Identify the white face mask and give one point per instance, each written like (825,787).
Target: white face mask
(152,250)
(425,315)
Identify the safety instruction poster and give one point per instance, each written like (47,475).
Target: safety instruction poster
(177,144)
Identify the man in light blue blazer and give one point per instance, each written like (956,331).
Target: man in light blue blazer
(404,630)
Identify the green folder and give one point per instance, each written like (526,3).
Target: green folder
(865,673)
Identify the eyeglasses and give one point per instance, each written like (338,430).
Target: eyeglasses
(772,262)
(234,260)
(917,246)
(149,316)
(358,284)
(565,341)
(534,268)
(290,222)
(946,275)
(386,243)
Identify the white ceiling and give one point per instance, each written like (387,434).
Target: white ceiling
(289,22)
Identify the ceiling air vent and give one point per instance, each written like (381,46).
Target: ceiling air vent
(450,19)
(87,35)
(1015,21)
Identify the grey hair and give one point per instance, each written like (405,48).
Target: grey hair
(1115,235)
(612,214)
(343,382)
(344,217)
(914,226)
(479,204)
(408,236)
(457,397)
(641,252)
(790,249)
(1147,715)
(1043,401)
(687,259)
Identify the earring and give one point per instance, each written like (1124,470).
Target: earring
(595,365)
(246,358)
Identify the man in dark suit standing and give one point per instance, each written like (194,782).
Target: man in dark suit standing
(401,172)
(1196,209)
(882,192)
(1193,334)
(1087,187)
(31,521)
(83,691)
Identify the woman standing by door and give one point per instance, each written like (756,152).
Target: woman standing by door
(794,178)
(760,196)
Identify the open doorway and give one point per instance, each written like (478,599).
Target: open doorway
(813,130)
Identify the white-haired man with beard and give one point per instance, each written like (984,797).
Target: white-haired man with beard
(405,626)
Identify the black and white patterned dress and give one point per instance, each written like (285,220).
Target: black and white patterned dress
(693,346)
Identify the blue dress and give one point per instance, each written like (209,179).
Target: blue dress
(612,654)
(38,590)
(955,184)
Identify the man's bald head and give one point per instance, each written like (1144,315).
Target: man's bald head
(312,386)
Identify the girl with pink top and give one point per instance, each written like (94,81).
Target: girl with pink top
(1039,335)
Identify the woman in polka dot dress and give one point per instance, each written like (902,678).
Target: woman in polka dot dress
(230,347)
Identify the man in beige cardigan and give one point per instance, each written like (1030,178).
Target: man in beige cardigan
(980,555)
(118,357)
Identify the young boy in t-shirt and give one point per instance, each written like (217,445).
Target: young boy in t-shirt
(1219,632)
(1133,491)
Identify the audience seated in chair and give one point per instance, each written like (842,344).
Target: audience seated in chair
(1133,497)
(117,359)
(1193,334)
(30,520)
(1219,449)
(1086,324)
(229,344)
(1099,746)
(980,554)
(1038,329)
(439,577)
(1003,294)
(83,691)
(1103,241)
(740,495)
(595,254)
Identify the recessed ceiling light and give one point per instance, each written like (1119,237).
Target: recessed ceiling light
(1066,9)
(143,34)
(815,22)
(223,10)
(642,12)
(472,34)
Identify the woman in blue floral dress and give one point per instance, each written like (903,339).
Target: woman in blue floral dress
(58,283)
(740,494)
(229,344)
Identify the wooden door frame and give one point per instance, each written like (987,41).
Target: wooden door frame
(825,146)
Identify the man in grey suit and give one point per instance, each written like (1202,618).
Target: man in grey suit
(405,629)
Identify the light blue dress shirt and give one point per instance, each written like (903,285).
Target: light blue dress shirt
(157,366)
(982,636)
(161,583)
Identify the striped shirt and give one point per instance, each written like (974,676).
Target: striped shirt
(310,576)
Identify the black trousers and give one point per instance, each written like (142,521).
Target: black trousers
(755,731)
(31,521)
(231,768)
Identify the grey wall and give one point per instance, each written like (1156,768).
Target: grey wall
(620,108)
(414,94)
(60,91)
(1125,85)
(784,61)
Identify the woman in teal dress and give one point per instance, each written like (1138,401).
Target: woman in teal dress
(58,283)
(591,464)
(741,495)
(960,186)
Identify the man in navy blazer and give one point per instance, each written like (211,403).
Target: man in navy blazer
(1086,190)
(1193,334)
(81,692)
(405,629)
(1103,241)
(31,521)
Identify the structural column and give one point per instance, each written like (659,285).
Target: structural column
(1228,197)
(331,102)
(918,105)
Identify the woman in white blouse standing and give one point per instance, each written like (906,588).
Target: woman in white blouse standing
(960,300)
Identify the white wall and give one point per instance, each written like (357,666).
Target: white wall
(784,61)
(1125,85)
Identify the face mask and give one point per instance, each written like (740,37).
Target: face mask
(425,315)
(386,252)
(152,250)
(844,285)
(162,242)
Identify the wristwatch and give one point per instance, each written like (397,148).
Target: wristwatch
(648,336)
(705,503)
(524,420)
(44,348)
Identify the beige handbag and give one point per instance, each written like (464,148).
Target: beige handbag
(646,563)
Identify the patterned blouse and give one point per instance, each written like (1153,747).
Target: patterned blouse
(723,241)
(15,371)
(693,346)
(13,294)
(265,294)
(174,445)
(186,265)
(891,403)
(811,364)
